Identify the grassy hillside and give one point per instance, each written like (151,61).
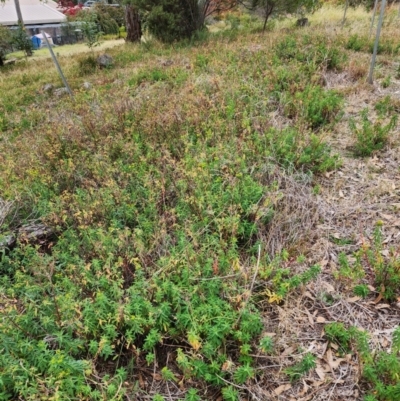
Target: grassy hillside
(214,220)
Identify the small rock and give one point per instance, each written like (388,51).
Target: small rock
(7,241)
(48,88)
(87,85)
(167,63)
(104,61)
(302,22)
(61,92)
(210,20)
(34,231)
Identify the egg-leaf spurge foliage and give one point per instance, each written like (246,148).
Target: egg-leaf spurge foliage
(371,136)
(300,369)
(379,371)
(157,231)
(132,272)
(382,261)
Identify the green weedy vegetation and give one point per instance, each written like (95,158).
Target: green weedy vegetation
(371,137)
(381,370)
(160,186)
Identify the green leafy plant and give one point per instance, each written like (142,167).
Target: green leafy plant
(230,394)
(243,373)
(379,371)
(347,270)
(337,333)
(371,137)
(192,395)
(300,369)
(298,149)
(315,106)
(387,270)
(266,344)
(167,374)
(386,82)
(357,43)
(87,64)
(90,30)
(21,40)
(361,290)
(386,107)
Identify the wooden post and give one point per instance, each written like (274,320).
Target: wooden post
(345,12)
(378,34)
(53,56)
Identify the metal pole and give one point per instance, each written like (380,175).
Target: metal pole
(373,17)
(53,56)
(378,34)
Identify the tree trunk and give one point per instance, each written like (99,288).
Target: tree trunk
(268,11)
(133,25)
(21,21)
(19,13)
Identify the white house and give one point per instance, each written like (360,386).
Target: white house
(37,15)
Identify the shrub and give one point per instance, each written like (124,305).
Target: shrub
(301,150)
(371,137)
(87,65)
(21,41)
(387,271)
(90,30)
(380,371)
(357,43)
(315,106)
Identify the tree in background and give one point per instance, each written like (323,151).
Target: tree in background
(109,19)
(171,20)
(90,30)
(21,41)
(5,40)
(268,8)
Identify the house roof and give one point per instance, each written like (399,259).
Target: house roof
(33,12)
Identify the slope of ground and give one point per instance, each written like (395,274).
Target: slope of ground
(204,226)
